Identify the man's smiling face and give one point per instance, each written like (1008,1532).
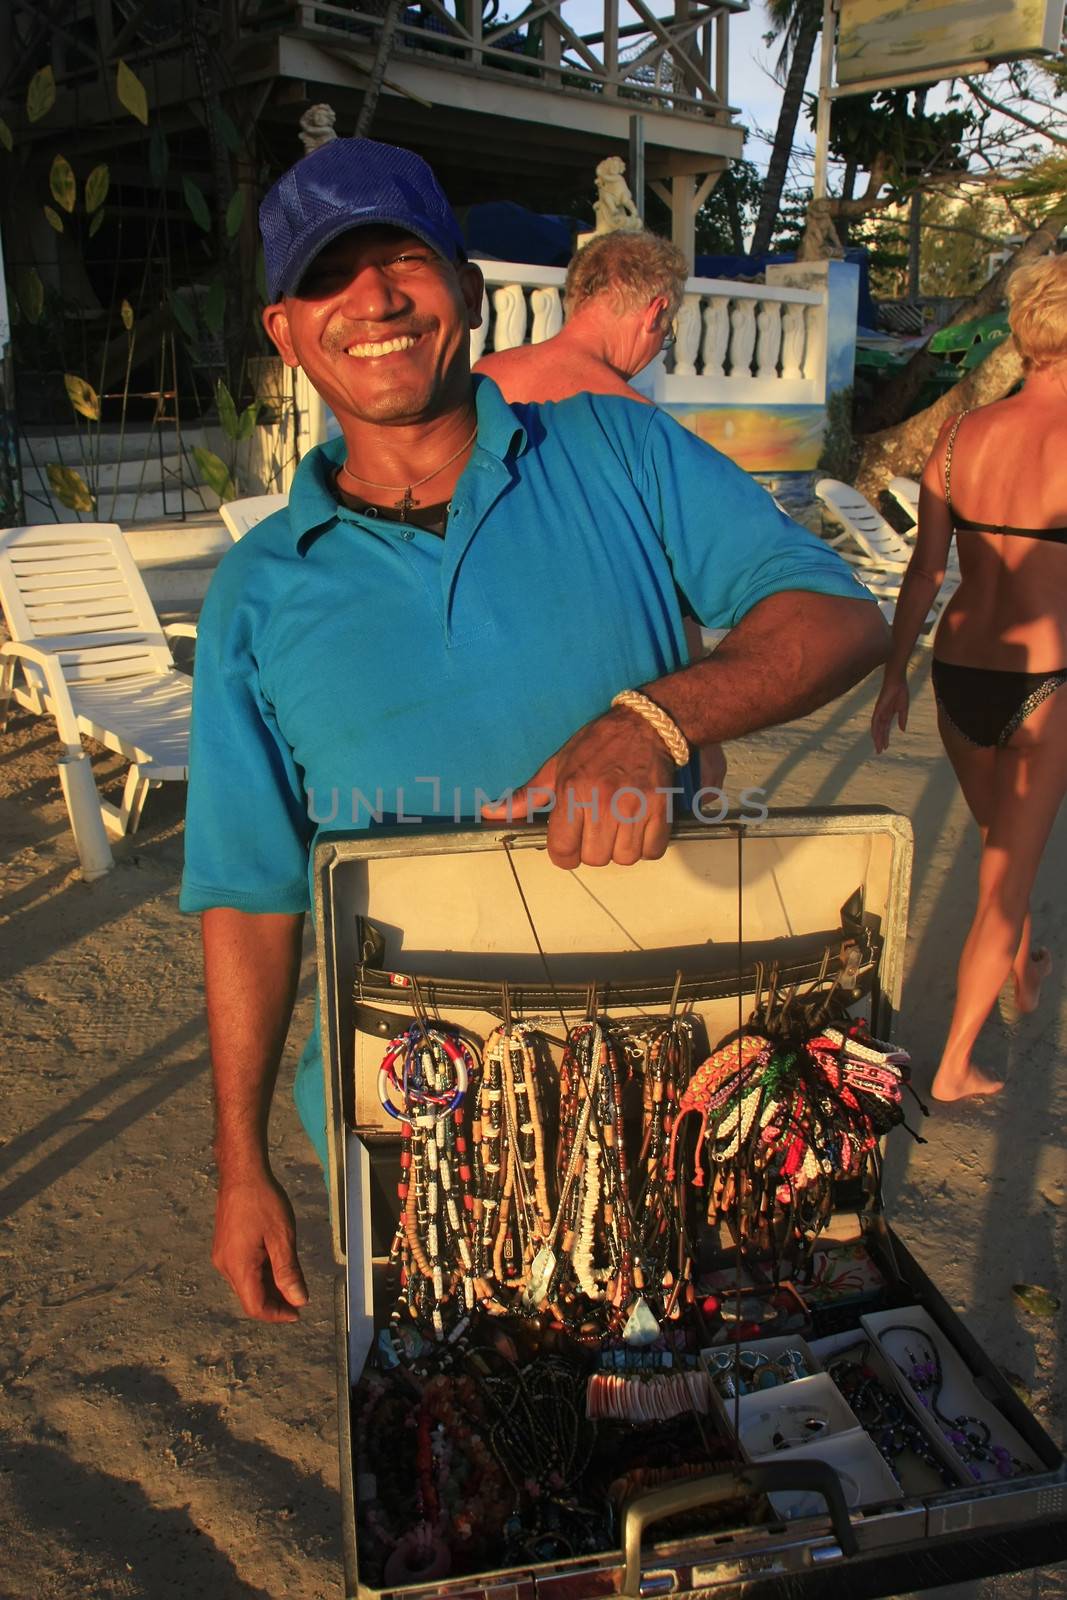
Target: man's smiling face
(380,324)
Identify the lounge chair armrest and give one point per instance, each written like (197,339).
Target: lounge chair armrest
(55,684)
(180,630)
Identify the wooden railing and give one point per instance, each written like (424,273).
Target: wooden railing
(675,63)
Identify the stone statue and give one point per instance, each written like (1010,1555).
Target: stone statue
(614,207)
(317,127)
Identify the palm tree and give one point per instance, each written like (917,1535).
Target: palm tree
(797,24)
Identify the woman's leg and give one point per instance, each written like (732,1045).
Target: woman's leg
(974,767)
(1029,778)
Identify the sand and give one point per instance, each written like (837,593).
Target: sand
(153,1443)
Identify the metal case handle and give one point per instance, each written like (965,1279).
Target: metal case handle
(761,1478)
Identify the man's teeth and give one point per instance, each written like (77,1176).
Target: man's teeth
(381,347)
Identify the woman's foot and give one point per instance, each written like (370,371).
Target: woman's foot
(1021,994)
(962,1081)
(1028,988)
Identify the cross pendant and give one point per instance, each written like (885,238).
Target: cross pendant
(405,504)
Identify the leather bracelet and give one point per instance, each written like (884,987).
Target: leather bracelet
(675,740)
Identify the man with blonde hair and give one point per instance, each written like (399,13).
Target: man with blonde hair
(621,297)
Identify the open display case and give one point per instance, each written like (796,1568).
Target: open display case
(464,932)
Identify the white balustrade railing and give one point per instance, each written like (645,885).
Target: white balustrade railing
(751,343)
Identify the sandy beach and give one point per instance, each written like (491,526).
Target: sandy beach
(153,1443)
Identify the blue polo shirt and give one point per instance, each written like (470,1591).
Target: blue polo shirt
(351,669)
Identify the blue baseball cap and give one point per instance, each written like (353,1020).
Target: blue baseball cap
(351,183)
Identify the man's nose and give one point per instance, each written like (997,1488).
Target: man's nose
(373,294)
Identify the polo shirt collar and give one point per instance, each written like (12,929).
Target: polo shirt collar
(313,502)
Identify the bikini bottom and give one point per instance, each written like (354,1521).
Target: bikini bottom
(985,706)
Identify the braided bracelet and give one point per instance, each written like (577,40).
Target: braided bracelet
(675,740)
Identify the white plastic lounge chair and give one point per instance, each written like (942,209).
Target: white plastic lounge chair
(905,492)
(240,515)
(87,648)
(870,536)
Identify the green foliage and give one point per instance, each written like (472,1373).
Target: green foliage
(82,396)
(215,473)
(69,487)
(95,221)
(235,213)
(5,136)
(126,313)
(261,276)
(729,213)
(131,93)
(63,183)
(227,410)
(30,291)
(834,458)
(228,133)
(215,305)
(53,218)
(41,94)
(96,186)
(182,315)
(894,124)
(194,199)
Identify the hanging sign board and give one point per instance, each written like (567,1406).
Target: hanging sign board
(919,40)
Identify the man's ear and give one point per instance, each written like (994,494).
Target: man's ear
(276,324)
(472,286)
(654,315)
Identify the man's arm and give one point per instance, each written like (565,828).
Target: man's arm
(251,968)
(789,655)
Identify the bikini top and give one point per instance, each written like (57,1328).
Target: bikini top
(967,524)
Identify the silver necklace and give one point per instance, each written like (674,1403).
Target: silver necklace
(406,502)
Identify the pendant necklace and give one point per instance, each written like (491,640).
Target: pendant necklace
(407,501)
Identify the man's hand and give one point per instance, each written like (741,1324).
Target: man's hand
(606,791)
(255,1248)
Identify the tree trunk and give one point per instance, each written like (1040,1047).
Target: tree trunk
(894,397)
(778,166)
(903,450)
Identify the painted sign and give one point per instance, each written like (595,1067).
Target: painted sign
(924,39)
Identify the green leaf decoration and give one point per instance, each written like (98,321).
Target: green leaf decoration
(231,138)
(247,421)
(63,183)
(158,156)
(227,410)
(131,93)
(82,396)
(182,315)
(194,199)
(41,94)
(126,313)
(235,213)
(95,221)
(54,219)
(30,291)
(215,473)
(96,186)
(1036,1300)
(261,276)
(215,306)
(69,487)
(5,136)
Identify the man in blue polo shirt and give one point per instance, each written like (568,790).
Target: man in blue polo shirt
(462,598)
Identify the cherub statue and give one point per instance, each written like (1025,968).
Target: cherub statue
(614,207)
(317,127)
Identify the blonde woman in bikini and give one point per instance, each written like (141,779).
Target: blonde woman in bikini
(997,480)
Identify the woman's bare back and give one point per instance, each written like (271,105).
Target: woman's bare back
(1009,468)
